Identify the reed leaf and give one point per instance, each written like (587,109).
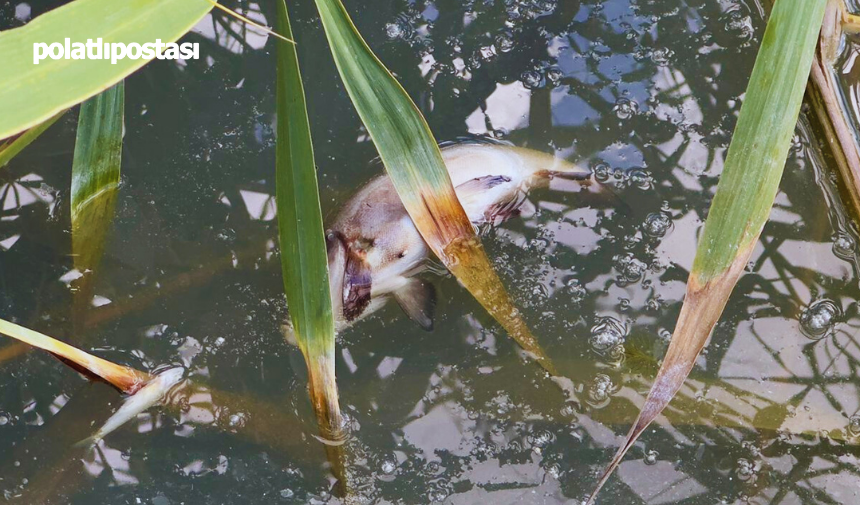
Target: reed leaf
(95,174)
(31,94)
(12,146)
(745,194)
(304,260)
(127,380)
(413,161)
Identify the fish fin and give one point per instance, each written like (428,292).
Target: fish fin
(356,285)
(502,211)
(481,184)
(418,300)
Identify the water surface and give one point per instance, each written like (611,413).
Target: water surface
(646,93)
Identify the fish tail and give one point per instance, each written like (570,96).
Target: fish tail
(547,167)
(601,193)
(578,174)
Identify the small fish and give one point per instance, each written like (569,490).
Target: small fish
(150,394)
(375,251)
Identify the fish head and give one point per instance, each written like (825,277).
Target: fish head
(371,264)
(395,253)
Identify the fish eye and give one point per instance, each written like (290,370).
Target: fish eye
(402,254)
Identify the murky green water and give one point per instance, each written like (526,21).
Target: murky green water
(645,92)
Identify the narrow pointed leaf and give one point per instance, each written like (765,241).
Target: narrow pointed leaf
(413,161)
(304,260)
(127,380)
(95,174)
(12,146)
(31,94)
(745,195)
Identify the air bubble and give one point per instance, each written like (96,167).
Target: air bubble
(657,224)
(600,391)
(631,270)
(606,334)
(388,466)
(554,75)
(746,469)
(602,172)
(540,439)
(641,179)
(531,79)
(818,319)
(854,426)
(661,56)
(394,31)
(625,109)
(575,290)
(504,43)
(651,457)
(844,246)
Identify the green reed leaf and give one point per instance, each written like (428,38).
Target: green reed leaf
(413,161)
(304,260)
(745,194)
(95,174)
(30,94)
(12,146)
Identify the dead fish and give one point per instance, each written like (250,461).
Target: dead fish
(150,394)
(375,251)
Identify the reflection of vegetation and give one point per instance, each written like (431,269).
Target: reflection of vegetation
(664,158)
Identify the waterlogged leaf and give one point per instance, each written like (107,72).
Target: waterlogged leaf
(95,174)
(31,94)
(127,380)
(304,260)
(12,146)
(413,161)
(745,195)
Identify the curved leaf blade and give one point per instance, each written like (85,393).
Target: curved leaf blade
(304,261)
(745,194)
(30,93)
(95,173)
(127,380)
(412,158)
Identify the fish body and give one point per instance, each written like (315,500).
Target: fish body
(374,249)
(150,394)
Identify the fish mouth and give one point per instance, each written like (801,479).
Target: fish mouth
(336,248)
(351,289)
